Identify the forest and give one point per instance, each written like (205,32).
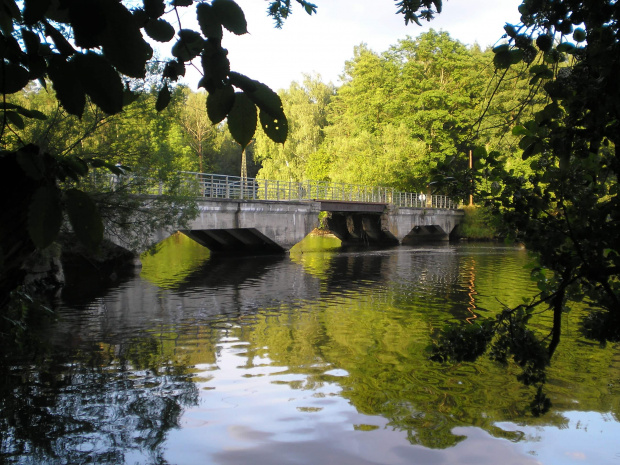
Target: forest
(401,118)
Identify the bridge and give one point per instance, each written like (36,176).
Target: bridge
(257,216)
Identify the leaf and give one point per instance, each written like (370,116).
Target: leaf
(100,81)
(215,65)
(122,42)
(219,103)
(189,45)
(565,47)
(579,35)
(31,162)
(182,2)
(173,70)
(230,15)
(14,119)
(510,30)
(129,97)
(31,40)
(34,114)
(88,22)
(163,98)
(242,119)
(44,216)
(544,42)
(84,218)
(275,128)
(265,98)
(159,30)
(520,131)
(74,167)
(62,44)
(502,60)
(10,9)
(67,85)
(209,24)
(154,8)
(13,78)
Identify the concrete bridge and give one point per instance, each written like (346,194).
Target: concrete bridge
(258,227)
(254,216)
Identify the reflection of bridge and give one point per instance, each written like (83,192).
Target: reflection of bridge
(261,216)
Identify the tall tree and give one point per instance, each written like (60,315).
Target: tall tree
(306,106)
(200,132)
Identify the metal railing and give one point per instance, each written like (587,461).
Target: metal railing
(218,186)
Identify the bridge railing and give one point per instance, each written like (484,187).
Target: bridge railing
(217,186)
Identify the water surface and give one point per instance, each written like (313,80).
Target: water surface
(319,357)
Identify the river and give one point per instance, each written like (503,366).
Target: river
(317,357)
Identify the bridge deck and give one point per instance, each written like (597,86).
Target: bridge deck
(344,206)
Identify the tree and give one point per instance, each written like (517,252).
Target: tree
(200,133)
(306,106)
(567,211)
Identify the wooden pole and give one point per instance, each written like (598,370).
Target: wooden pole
(471,169)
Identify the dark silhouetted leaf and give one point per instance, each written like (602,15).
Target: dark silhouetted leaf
(44,216)
(34,10)
(209,24)
(163,98)
(13,78)
(502,59)
(242,82)
(267,100)
(88,22)
(544,42)
(74,167)
(84,218)
(182,2)
(67,85)
(230,15)
(242,119)
(35,114)
(31,162)
(14,119)
(216,68)
(159,30)
(154,8)
(31,40)
(62,44)
(173,70)
(129,97)
(219,103)
(579,35)
(275,128)
(189,45)
(100,81)
(122,41)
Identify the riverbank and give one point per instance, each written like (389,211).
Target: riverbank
(478,224)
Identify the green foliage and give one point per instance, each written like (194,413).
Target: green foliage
(478,223)
(564,209)
(306,107)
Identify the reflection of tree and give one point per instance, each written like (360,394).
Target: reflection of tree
(380,340)
(97,405)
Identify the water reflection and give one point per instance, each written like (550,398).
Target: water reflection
(316,358)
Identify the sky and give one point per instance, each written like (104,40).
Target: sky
(320,44)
